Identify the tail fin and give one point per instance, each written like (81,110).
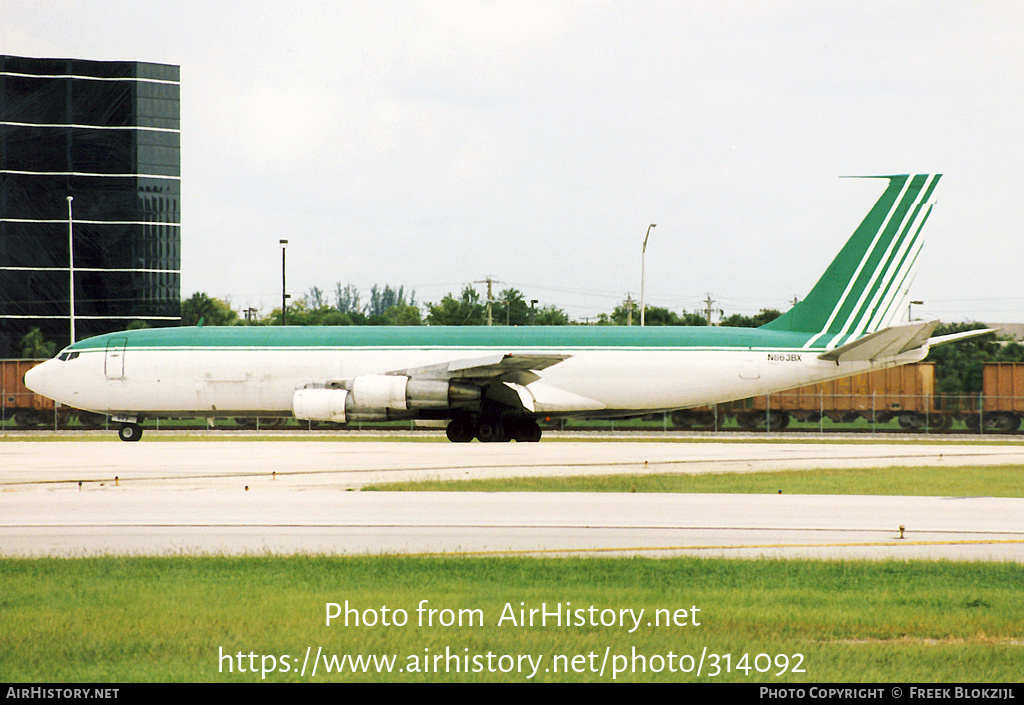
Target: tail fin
(867,285)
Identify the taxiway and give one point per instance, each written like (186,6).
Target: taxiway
(294,495)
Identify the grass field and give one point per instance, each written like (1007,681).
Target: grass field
(200,619)
(230,619)
(967,481)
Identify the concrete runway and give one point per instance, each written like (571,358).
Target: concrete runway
(299,495)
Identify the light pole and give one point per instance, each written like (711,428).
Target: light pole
(910,310)
(284,295)
(643,263)
(71,267)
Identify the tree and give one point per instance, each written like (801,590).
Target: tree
(959,365)
(347,299)
(692,319)
(465,311)
(315,298)
(215,311)
(510,309)
(402,315)
(377,312)
(550,316)
(621,315)
(657,316)
(737,320)
(383,299)
(653,316)
(33,345)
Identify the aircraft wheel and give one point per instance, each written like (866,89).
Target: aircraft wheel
(130,432)
(460,431)
(524,431)
(491,433)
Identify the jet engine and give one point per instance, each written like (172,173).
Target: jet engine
(381,398)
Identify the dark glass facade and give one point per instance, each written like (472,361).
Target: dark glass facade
(108,135)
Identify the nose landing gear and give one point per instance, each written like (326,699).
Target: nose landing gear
(130,432)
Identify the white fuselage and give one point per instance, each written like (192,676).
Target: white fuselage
(254,381)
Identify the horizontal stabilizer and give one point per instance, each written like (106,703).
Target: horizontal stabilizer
(889,342)
(943,339)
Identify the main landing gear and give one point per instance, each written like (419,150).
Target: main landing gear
(523,430)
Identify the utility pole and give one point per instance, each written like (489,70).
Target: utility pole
(709,302)
(629,309)
(490,297)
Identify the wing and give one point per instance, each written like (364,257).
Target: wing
(510,379)
(508,367)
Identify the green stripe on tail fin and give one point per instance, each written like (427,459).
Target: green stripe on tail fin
(865,288)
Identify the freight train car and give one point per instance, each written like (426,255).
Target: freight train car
(1002,405)
(22,405)
(905,394)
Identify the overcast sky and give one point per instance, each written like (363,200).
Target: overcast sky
(432,144)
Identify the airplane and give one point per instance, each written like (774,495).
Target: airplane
(494,383)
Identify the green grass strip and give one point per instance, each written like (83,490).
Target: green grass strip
(968,481)
(182,618)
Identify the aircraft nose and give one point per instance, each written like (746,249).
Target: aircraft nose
(40,379)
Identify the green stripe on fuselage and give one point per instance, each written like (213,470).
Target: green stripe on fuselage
(434,337)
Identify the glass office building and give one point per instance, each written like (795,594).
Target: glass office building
(107,134)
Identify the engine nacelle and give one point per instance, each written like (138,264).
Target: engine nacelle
(381,398)
(378,392)
(320,404)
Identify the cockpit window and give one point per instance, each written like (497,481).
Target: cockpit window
(64,356)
